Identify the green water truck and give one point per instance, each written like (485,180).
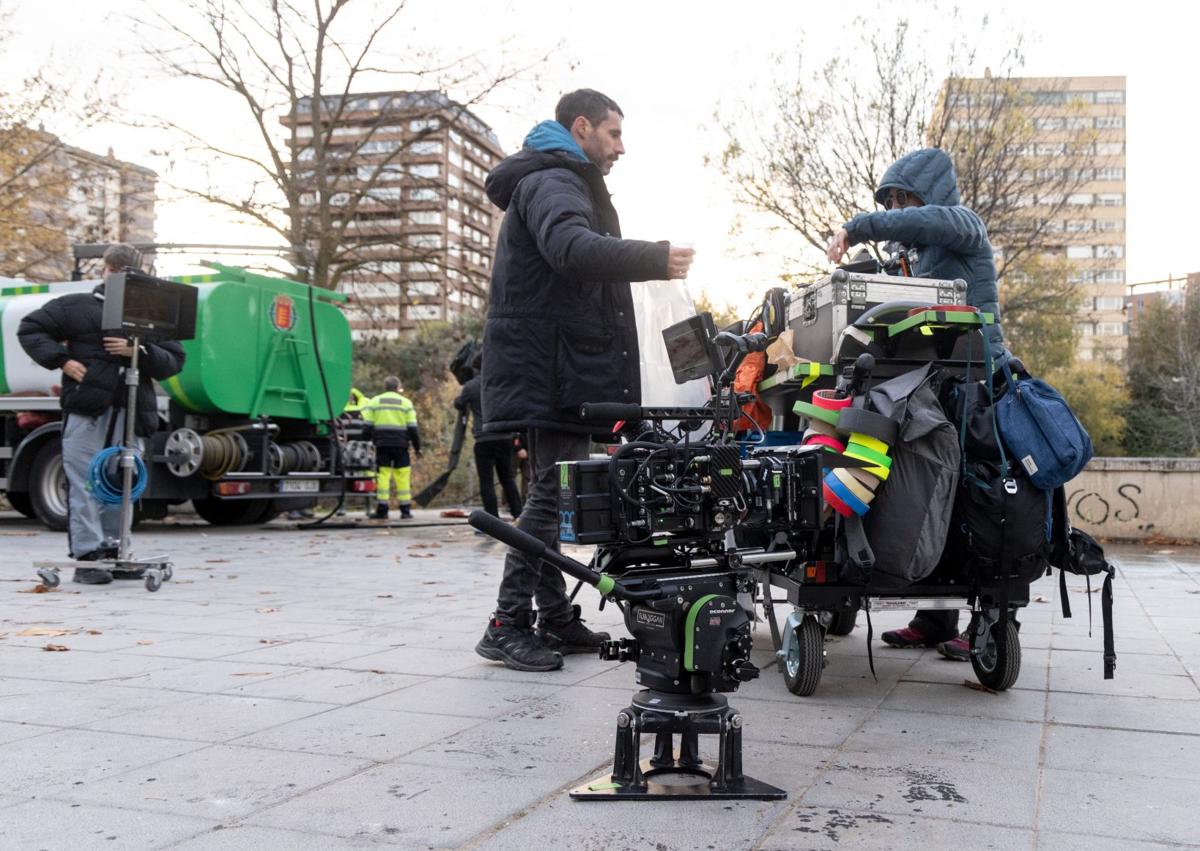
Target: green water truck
(247,430)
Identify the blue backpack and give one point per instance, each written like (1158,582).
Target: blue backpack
(1039,428)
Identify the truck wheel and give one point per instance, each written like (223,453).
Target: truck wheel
(806,658)
(48,486)
(843,622)
(22,504)
(240,512)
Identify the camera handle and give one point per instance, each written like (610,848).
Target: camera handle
(534,548)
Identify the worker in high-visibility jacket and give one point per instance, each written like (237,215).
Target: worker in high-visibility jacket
(356,402)
(392,420)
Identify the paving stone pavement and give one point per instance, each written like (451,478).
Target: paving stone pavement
(317,689)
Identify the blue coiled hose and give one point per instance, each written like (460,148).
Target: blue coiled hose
(109,492)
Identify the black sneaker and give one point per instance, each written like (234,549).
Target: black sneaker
(405,513)
(572,637)
(98,554)
(515,644)
(92,576)
(381,513)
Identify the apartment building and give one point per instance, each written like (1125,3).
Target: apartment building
(411,166)
(1077,125)
(74,196)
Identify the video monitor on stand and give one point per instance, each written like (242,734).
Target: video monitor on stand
(148,308)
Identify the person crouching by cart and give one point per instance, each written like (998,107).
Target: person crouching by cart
(65,334)
(923,212)
(392,424)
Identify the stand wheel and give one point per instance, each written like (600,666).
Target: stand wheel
(805,658)
(49,577)
(843,622)
(995,658)
(154,580)
(168,572)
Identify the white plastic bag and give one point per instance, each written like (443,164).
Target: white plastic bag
(658,305)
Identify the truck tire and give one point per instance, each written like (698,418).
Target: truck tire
(239,512)
(21,503)
(48,486)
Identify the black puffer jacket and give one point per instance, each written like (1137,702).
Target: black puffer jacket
(560,327)
(68,328)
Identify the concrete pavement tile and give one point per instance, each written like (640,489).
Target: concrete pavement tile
(803,721)
(222,782)
(411,805)
(413,660)
(211,675)
(1128,681)
(327,685)
(46,765)
(894,784)
(1131,713)
(467,698)
(1158,754)
(1119,806)
(213,718)
(358,731)
(11,732)
(922,736)
(1148,644)
(75,704)
(244,838)
(1056,841)
(832,690)
(78,667)
(1015,704)
(392,634)
(836,828)
(53,825)
(197,647)
(1144,663)
(310,654)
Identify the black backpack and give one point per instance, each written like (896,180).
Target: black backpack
(462,365)
(1079,553)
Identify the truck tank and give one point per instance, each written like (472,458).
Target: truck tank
(253,354)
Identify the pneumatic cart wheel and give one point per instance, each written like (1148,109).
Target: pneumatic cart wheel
(168,572)
(805,658)
(997,662)
(49,577)
(843,622)
(153,580)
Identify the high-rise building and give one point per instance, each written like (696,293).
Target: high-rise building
(411,165)
(1088,225)
(75,196)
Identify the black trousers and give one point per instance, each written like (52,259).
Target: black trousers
(496,456)
(936,623)
(526,580)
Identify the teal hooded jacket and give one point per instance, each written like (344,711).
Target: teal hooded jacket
(946,240)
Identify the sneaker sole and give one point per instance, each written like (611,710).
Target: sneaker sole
(496,655)
(953,657)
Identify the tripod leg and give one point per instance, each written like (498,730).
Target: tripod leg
(689,749)
(626,770)
(729,772)
(664,750)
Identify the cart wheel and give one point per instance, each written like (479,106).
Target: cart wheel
(805,658)
(168,572)
(153,580)
(49,577)
(843,622)
(997,663)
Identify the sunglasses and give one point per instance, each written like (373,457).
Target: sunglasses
(895,198)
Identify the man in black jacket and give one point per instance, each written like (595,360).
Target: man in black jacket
(65,334)
(560,332)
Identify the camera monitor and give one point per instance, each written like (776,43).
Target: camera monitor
(690,348)
(137,305)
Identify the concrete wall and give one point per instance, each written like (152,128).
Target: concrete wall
(1137,498)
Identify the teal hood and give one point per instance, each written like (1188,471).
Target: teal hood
(927,173)
(551,136)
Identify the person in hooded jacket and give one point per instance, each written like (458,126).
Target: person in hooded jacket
(560,332)
(493,449)
(922,212)
(65,334)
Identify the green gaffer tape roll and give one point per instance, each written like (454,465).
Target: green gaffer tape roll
(808,409)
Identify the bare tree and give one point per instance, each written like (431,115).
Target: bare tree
(1164,378)
(814,157)
(297,73)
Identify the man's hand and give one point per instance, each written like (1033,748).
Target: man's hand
(838,246)
(679,260)
(118,346)
(75,370)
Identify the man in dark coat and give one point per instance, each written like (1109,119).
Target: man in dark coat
(65,334)
(560,332)
(923,212)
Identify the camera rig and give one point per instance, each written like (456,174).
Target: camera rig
(681,515)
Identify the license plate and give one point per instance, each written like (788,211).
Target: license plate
(300,486)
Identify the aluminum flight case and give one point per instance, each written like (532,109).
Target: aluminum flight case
(820,313)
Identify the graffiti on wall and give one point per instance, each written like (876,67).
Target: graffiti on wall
(1120,506)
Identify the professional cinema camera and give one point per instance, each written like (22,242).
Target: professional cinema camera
(680,514)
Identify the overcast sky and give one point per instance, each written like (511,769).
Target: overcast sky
(670,65)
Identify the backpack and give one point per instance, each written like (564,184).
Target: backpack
(1078,552)
(461,365)
(1039,428)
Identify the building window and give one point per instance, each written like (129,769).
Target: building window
(1110,97)
(424,311)
(1111,199)
(379,146)
(1079,252)
(424,288)
(1110,329)
(423,193)
(1110,276)
(1110,149)
(1109,302)
(1078,225)
(426,147)
(1110,122)
(1080,199)
(425,217)
(1110,173)
(384,193)
(419,124)
(1077,122)
(1053,123)
(424,240)
(1110,251)
(1110,225)
(424,169)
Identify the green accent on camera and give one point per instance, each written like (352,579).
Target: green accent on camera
(689,630)
(606,584)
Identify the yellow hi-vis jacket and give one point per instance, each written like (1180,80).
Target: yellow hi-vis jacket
(394,419)
(357,401)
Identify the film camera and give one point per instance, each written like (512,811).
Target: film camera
(680,514)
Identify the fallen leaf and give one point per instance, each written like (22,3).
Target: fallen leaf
(1095,590)
(978,686)
(270,641)
(56,648)
(45,631)
(94,632)
(429,545)
(37,589)
(145,643)
(454,512)
(265,611)
(1040,599)
(216,560)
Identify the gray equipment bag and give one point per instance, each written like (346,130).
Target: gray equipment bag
(900,540)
